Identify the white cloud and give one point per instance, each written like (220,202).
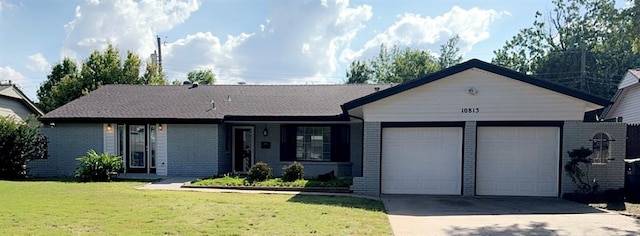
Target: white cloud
(290,46)
(8,73)
(128,24)
(413,30)
(37,62)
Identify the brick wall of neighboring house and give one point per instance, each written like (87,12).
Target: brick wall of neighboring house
(192,150)
(369,183)
(66,143)
(610,175)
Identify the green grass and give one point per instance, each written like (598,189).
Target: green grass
(275,182)
(117,208)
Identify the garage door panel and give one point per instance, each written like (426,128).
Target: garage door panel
(517,161)
(421,160)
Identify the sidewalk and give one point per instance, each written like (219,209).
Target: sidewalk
(176,183)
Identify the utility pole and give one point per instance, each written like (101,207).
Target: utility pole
(159,54)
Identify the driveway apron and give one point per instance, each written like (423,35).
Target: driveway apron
(444,215)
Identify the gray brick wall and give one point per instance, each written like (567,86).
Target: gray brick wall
(469,159)
(66,143)
(224,150)
(369,183)
(578,134)
(192,150)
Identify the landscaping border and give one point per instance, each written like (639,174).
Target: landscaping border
(265,188)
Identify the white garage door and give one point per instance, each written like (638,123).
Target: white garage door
(422,160)
(518,161)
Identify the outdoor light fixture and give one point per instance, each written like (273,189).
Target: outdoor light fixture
(109,127)
(265,132)
(160,127)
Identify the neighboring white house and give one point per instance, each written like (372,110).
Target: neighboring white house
(13,103)
(626,102)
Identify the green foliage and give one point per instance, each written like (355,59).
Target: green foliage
(66,82)
(98,167)
(259,172)
(201,77)
(593,31)
(293,172)
(19,143)
(153,75)
(394,65)
(228,180)
(573,169)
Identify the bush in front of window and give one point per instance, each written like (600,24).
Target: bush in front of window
(259,172)
(293,172)
(98,167)
(20,142)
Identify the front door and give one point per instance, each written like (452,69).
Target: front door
(141,155)
(242,149)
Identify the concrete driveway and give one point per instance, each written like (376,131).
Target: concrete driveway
(435,215)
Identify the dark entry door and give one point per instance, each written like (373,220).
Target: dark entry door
(242,149)
(142,149)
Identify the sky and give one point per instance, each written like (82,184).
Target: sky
(256,42)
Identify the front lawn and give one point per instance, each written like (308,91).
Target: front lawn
(275,182)
(117,208)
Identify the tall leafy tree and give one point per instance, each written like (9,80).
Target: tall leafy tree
(393,65)
(66,82)
(583,44)
(201,76)
(49,92)
(153,75)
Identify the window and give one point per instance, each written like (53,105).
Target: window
(600,148)
(314,143)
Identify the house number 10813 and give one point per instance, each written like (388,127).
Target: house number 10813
(470,110)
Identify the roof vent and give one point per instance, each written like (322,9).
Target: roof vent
(377,89)
(186,82)
(194,85)
(228,98)
(242,83)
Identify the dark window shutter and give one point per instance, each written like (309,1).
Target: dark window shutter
(287,142)
(340,143)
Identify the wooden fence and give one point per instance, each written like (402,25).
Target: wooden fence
(633,141)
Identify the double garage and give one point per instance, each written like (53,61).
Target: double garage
(509,160)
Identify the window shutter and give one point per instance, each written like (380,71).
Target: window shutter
(287,142)
(340,142)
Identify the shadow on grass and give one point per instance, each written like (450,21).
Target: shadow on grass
(340,201)
(74,180)
(533,228)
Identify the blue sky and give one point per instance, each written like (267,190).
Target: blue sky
(258,42)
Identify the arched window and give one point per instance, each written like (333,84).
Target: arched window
(600,148)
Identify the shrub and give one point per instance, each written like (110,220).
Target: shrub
(293,172)
(19,143)
(259,172)
(98,167)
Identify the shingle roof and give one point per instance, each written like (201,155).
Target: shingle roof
(183,102)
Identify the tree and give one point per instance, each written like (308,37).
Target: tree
(393,65)
(153,76)
(19,143)
(201,76)
(66,83)
(450,53)
(50,99)
(582,44)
